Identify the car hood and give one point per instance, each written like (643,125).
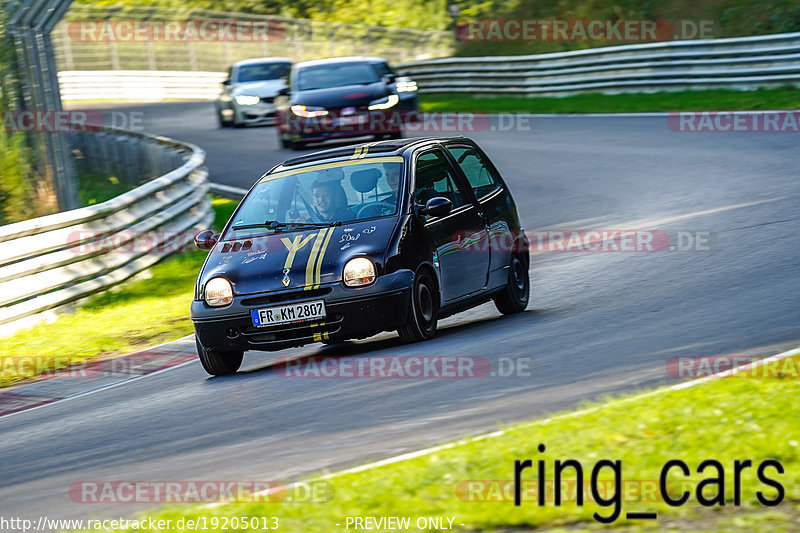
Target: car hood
(263,88)
(348,96)
(313,256)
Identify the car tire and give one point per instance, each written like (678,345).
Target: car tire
(423,312)
(297,145)
(514,296)
(219,363)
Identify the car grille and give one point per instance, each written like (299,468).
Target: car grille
(286,296)
(267,99)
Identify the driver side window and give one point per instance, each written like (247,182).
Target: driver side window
(433,178)
(480,177)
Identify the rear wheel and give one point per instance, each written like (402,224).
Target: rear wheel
(423,313)
(514,297)
(219,363)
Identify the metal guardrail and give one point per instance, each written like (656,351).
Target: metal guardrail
(30,23)
(51,262)
(744,63)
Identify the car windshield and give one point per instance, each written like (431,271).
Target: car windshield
(336,75)
(331,193)
(262,71)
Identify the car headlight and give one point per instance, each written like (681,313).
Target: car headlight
(246,99)
(384,103)
(406,86)
(308,112)
(219,292)
(358,272)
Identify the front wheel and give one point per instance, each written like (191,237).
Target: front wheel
(514,296)
(219,363)
(423,313)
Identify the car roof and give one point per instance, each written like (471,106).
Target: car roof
(374,149)
(336,60)
(259,60)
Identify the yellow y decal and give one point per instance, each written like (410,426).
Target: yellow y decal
(294,247)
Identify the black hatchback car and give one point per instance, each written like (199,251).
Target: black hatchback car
(349,242)
(343,97)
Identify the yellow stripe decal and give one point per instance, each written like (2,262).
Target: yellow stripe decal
(338,164)
(312,259)
(357,152)
(364,152)
(321,256)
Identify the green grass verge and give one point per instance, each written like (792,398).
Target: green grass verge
(725,419)
(135,315)
(96,189)
(713,100)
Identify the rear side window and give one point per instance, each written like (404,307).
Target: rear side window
(435,178)
(480,176)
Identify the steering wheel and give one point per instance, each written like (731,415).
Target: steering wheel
(375,209)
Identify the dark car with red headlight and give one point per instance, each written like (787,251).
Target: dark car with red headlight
(349,242)
(343,97)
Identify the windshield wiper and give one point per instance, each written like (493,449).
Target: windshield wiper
(275,225)
(309,224)
(269,224)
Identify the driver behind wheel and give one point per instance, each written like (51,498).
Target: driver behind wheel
(330,200)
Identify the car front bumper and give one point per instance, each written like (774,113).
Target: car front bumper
(351,313)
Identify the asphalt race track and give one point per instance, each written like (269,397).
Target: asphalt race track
(597,323)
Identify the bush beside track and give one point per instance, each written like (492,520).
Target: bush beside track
(707,100)
(728,419)
(130,317)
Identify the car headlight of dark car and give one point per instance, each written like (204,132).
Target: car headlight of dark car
(358,272)
(309,111)
(384,103)
(218,292)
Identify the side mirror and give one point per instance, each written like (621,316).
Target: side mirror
(205,240)
(437,207)
(226,81)
(388,78)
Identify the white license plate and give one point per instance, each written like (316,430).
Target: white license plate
(282,314)
(357,120)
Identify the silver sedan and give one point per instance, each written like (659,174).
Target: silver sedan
(248,92)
